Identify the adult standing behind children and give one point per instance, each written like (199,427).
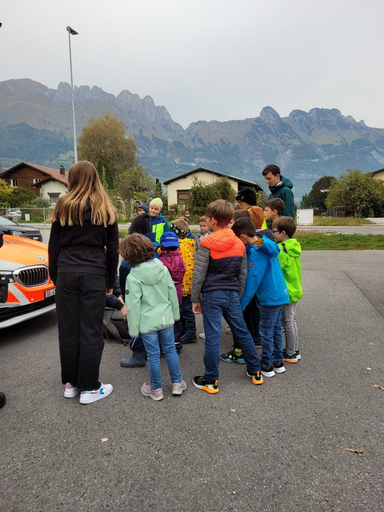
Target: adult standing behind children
(151,224)
(83,257)
(280,187)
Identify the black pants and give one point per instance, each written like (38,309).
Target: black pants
(80,301)
(251,316)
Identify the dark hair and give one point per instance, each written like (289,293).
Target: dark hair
(276,204)
(241,214)
(244,226)
(286,224)
(220,210)
(203,219)
(169,249)
(274,169)
(136,249)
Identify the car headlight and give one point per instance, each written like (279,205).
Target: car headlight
(17,233)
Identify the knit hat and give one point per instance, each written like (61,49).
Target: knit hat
(257,216)
(247,195)
(182,224)
(143,207)
(169,239)
(158,202)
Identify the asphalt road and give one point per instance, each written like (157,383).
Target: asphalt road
(283,446)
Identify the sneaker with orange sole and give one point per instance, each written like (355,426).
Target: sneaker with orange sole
(201,382)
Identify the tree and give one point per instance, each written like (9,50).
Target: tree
(5,192)
(135,184)
(355,191)
(20,195)
(319,192)
(103,142)
(202,194)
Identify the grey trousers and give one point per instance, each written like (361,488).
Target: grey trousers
(290,328)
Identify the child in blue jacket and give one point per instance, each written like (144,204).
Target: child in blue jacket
(265,279)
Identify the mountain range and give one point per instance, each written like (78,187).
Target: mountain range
(36,126)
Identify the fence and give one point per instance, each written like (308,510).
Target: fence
(44,215)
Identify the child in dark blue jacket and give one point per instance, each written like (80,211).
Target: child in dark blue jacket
(266,280)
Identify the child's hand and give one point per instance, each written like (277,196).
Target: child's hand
(258,242)
(196,307)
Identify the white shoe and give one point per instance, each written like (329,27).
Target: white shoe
(88,397)
(70,391)
(202,335)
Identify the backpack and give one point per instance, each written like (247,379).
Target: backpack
(115,328)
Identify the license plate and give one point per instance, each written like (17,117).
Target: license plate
(50,293)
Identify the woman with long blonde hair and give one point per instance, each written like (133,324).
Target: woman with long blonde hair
(83,258)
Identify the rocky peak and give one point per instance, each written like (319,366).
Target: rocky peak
(269,115)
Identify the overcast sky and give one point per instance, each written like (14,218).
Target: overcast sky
(207,59)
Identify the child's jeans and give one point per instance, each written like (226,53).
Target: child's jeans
(188,316)
(290,327)
(152,342)
(271,334)
(216,304)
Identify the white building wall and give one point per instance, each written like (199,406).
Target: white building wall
(52,187)
(187,183)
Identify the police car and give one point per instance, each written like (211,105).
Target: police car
(26,290)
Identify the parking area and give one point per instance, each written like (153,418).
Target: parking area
(286,445)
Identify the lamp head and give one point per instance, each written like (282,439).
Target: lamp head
(71,31)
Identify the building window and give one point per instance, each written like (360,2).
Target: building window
(36,180)
(182,196)
(13,182)
(53,198)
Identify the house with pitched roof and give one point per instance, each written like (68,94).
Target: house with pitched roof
(44,181)
(378,175)
(180,186)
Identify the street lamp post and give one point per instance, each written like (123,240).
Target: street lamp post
(73,33)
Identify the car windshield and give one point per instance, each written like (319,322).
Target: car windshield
(6,222)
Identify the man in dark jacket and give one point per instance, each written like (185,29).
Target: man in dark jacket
(280,187)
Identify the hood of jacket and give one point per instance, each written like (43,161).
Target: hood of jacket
(150,272)
(222,241)
(285,182)
(174,262)
(291,246)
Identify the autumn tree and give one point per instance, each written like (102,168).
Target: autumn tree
(135,184)
(104,142)
(5,192)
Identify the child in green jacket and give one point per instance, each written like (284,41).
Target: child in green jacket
(290,250)
(152,308)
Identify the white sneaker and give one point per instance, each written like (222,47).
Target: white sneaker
(88,397)
(202,335)
(70,391)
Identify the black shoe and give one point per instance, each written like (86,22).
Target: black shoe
(267,371)
(279,367)
(189,337)
(3,400)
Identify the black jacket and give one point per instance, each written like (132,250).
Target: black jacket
(84,249)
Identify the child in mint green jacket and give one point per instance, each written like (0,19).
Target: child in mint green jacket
(152,309)
(290,250)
